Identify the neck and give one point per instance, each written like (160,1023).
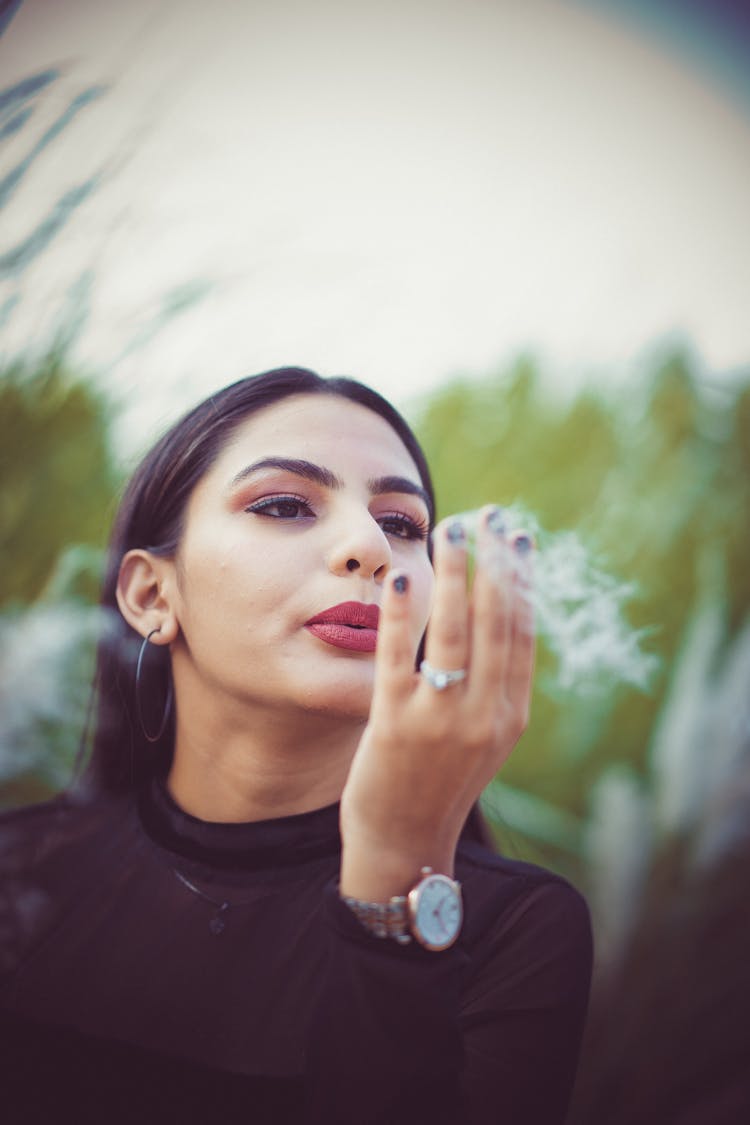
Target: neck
(283,765)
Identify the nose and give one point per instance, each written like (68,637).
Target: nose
(360,546)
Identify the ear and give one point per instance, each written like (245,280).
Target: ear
(146,595)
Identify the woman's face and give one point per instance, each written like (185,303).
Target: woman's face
(304,512)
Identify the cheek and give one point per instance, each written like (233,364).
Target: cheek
(232,583)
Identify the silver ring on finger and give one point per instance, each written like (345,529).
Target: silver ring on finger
(441,678)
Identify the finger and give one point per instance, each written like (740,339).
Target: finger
(394,653)
(447,645)
(492,604)
(522,643)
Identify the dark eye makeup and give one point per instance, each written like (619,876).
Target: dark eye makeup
(290,508)
(404,527)
(281,507)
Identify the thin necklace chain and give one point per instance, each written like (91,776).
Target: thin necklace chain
(217,924)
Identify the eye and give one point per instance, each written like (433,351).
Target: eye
(401,526)
(281,507)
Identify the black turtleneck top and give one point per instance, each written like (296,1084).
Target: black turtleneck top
(157,968)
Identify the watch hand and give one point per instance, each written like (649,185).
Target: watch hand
(437,914)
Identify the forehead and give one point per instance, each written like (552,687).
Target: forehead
(326,429)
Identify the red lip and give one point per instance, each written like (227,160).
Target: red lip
(350,625)
(358,614)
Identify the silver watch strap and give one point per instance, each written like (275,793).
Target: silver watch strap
(383,919)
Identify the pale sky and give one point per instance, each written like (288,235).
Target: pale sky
(397,191)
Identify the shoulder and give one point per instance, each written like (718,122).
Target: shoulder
(28,824)
(511,904)
(34,834)
(47,851)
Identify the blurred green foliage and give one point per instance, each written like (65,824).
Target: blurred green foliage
(58,486)
(59,478)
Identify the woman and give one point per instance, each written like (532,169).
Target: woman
(213,924)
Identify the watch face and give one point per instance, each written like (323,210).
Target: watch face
(436,912)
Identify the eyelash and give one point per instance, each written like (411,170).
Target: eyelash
(262,507)
(401,526)
(408,528)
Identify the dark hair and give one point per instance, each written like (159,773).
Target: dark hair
(151,516)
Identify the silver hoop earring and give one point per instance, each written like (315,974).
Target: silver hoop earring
(167,705)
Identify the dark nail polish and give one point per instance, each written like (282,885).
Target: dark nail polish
(401,584)
(523,545)
(455,533)
(496,521)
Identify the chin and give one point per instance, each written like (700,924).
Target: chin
(347,698)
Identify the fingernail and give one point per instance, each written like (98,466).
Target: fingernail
(496,521)
(455,533)
(401,583)
(523,545)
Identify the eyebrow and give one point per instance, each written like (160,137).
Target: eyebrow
(319,475)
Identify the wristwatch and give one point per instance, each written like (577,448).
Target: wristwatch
(432,912)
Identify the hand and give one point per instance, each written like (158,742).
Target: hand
(425,755)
